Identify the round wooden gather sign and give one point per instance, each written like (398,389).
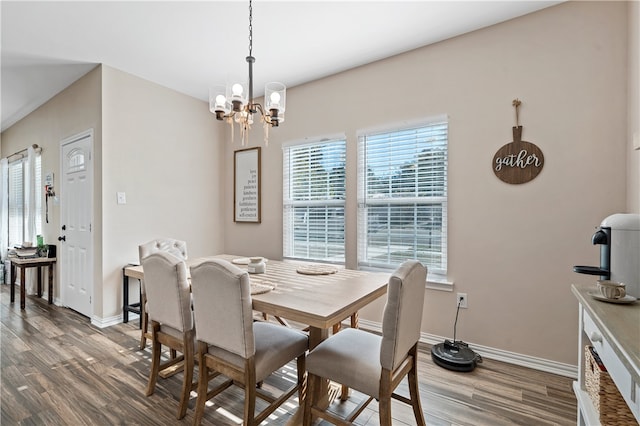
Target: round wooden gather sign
(518,161)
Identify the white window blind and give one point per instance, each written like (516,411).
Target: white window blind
(402,197)
(16,203)
(19,205)
(313,201)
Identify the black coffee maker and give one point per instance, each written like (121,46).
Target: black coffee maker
(602,237)
(619,239)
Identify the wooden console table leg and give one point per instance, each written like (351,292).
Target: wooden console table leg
(13,282)
(125,297)
(39,281)
(23,291)
(50,295)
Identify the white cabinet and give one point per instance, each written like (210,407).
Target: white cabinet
(614,331)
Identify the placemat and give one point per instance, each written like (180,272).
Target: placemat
(259,286)
(317,269)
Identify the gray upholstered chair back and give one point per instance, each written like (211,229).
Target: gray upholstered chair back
(168,291)
(402,316)
(168,245)
(222,306)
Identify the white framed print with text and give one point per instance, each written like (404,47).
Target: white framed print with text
(246,182)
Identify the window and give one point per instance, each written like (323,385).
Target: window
(313,201)
(402,196)
(24,201)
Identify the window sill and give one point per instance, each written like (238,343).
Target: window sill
(435,282)
(439,284)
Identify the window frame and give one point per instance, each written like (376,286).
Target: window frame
(291,203)
(437,274)
(21,213)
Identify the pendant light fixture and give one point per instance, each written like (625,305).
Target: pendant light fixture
(235,103)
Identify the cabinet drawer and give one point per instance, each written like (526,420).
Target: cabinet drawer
(593,333)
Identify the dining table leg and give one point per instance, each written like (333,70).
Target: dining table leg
(321,393)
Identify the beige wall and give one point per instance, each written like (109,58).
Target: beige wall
(76,109)
(164,150)
(160,147)
(633,162)
(511,247)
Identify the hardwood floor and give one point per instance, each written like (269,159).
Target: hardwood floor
(58,369)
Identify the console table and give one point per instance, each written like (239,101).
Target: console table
(23,264)
(614,331)
(133,271)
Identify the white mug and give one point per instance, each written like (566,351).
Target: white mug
(611,289)
(256,266)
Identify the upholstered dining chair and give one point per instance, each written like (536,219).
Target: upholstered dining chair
(168,245)
(372,364)
(230,342)
(171,319)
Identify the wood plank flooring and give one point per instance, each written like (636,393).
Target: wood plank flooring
(58,369)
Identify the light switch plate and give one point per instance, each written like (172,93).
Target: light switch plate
(636,140)
(122,198)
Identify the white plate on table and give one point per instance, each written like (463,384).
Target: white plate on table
(622,301)
(245,260)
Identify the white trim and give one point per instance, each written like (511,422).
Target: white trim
(106,322)
(313,140)
(403,125)
(535,363)
(439,285)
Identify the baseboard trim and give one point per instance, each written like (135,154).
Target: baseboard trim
(540,364)
(106,322)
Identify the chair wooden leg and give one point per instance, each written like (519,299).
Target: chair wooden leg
(301,366)
(384,404)
(155,359)
(413,389)
(308,403)
(203,382)
(250,396)
(187,380)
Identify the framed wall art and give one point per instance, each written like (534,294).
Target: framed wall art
(246,182)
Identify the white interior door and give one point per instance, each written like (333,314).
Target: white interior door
(76,253)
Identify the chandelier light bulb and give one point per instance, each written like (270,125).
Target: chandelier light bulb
(221,100)
(237,89)
(275,99)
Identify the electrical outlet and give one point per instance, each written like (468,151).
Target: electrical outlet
(461,299)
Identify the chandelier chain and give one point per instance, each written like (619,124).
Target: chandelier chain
(250,28)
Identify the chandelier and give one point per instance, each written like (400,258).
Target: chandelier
(235,103)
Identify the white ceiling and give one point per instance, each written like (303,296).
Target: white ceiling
(189,46)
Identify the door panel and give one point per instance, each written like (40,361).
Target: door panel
(76,271)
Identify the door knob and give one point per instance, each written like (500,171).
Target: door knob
(63,238)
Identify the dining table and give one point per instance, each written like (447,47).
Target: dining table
(318,300)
